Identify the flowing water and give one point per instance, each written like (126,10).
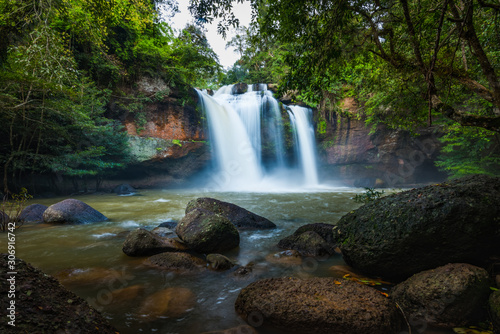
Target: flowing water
(243,128)
(89,260)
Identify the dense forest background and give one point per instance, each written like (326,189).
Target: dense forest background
(407,64)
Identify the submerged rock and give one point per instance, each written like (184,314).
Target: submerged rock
(286,258)
(72,211)
(453,295)
(240,217)
(317,305)
(171,302)
(124,189)
(219,262)
(43,305)
(402,234)
(207,232)
(33,213)
(141,242)
(177,261)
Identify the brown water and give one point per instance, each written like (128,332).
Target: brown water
(89,260)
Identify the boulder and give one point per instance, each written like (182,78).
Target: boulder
(405,233)
(177,261)
(317,305)
(326,231)
(241,218)
(124,189)
(219,262)
(308,243)
(494,309)
(33,213)
(171,302)
(207,232)
(42,305)
(141,242)
(72,211)
(453,295)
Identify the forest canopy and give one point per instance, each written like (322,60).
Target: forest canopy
(61,61)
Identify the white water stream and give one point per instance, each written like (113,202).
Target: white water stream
(248,139)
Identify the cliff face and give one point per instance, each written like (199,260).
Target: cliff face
(364,157)
(168,142)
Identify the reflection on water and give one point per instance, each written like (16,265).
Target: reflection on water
(89,261)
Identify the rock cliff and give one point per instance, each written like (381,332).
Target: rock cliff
(370,157)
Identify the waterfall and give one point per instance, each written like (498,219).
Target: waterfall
(304,131)
(247,137)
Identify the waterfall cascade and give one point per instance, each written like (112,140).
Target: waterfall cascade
(253,149)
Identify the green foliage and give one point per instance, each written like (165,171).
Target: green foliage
(368,196)
(470,151)
(12,207)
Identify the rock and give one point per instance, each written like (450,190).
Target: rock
(127,294)
(141,242)
(72,211)
(43,305)
(171,302)
(243,329)
(241,218)
(494,309)
(315,240)
(405,233)
(169,224)
(317,305)
(207,232)
(124,189)
(162,231)
(33,213)
(453,295)
(308,243)
(219,262)
(95,276)
(286,258)
(240,88)
(177,261)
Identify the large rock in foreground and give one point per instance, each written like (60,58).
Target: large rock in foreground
(405,233)
(241,218)
(454,295)
(207,232)
(72,211)
(42,305)
(317,305)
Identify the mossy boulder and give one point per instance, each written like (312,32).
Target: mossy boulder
(453,295)
(317,305)
(207,232)
(240,217)
(72,211)
(141,242)
(408,232)
(43,305)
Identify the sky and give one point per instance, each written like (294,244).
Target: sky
(227,57)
